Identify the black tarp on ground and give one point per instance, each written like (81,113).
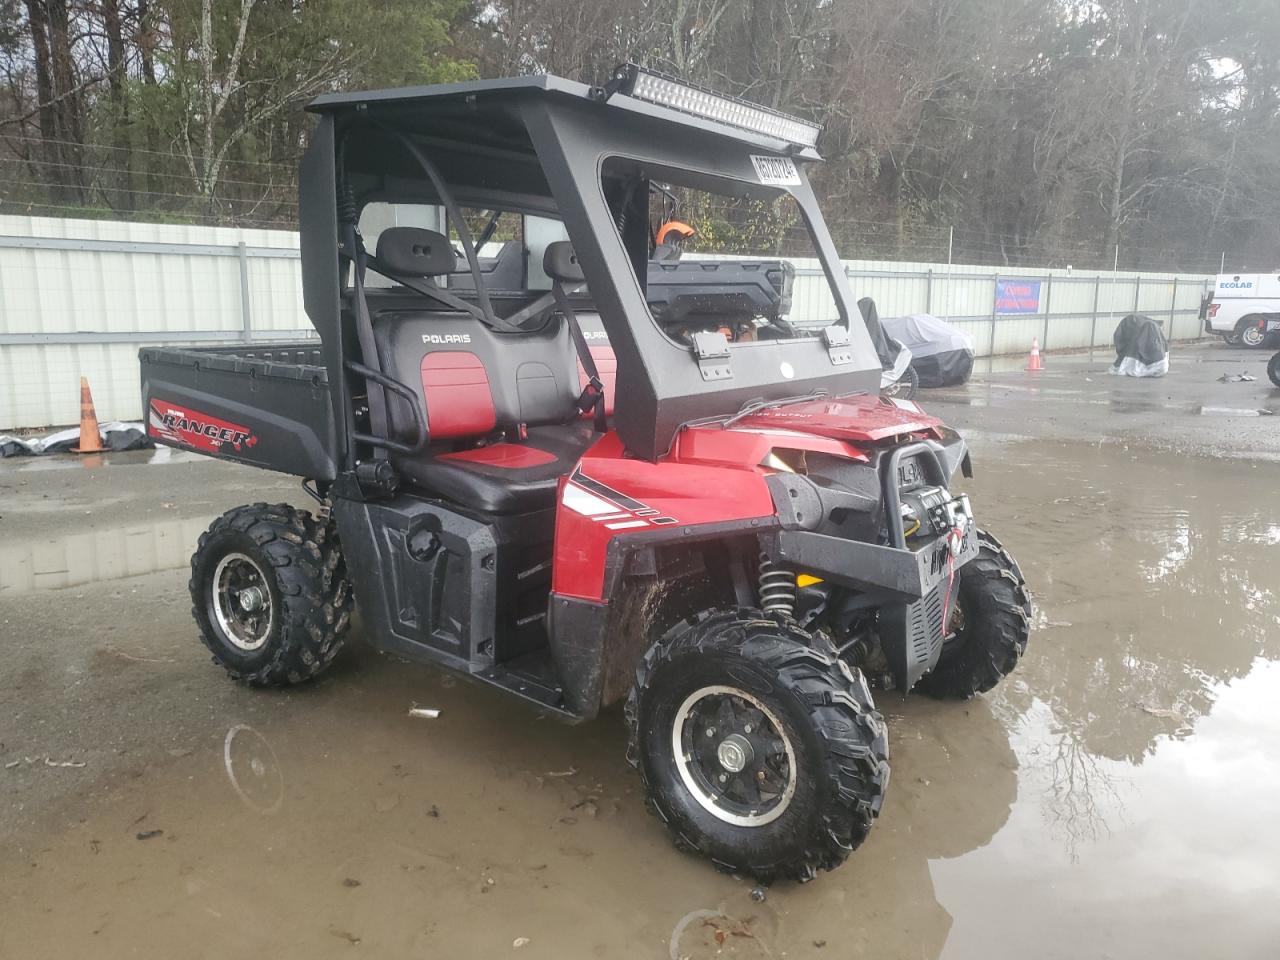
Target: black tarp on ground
(115,436)
(941,353)
(1141,349)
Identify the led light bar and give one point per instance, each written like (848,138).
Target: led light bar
(701,102)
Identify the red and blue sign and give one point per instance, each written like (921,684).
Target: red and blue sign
(1017,296)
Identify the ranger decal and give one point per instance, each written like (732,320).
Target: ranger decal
(191,428)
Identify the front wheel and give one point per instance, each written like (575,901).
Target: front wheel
(1273,369)
(270,595)
(905,388)
(987,626)
(757,746)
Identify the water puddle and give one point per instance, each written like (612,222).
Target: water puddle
(111,554)
(1115,797)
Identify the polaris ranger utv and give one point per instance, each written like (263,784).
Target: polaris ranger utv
(542,488)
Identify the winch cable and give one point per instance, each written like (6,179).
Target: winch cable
(955,534)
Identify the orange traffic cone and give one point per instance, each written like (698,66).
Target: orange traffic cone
(90,439)
(1035,363)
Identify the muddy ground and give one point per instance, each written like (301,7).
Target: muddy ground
(1115,798)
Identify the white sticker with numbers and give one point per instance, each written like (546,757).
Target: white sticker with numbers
(776,171)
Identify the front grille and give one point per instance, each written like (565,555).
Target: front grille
(924,627)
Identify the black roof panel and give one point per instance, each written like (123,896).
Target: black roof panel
(497,93)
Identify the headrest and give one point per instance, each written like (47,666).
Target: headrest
(561,263)
(415,252)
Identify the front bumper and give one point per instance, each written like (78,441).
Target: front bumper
(903,573)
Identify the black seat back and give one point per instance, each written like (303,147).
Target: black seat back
(473,380)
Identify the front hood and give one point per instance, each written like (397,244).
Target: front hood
(860,419)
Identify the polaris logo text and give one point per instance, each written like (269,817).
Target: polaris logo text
(446,338)
(214,432)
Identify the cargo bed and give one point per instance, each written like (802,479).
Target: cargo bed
(264,405)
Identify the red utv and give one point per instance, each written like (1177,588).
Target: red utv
(524,476)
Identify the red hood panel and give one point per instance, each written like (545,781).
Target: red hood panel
(864,419)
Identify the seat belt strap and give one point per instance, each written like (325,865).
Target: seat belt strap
(592,396)
(376,393)
(538,307)
(433,293)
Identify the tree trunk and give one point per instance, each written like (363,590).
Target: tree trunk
(122,156)
(67,102)
(48,171)
(146,57)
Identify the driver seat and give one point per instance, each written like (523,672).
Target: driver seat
(475,382)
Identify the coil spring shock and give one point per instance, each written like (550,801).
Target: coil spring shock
(777,588)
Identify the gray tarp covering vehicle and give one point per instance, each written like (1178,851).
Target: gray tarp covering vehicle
(1141,349)
(941,353)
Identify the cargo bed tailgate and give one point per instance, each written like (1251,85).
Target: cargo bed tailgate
(267,406)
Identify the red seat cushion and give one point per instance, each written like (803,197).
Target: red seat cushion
(459,401)
(512,456)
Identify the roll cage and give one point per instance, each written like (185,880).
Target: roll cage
(552,147)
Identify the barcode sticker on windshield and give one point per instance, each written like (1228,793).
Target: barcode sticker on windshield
(776,171)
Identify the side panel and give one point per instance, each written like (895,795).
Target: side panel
(438,585)
(611,495)
(425,578)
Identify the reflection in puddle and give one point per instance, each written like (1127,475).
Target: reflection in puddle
(253,769)
(719,933)
(111,554)
(158,456)
(1211,411)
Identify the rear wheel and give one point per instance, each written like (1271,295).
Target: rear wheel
(987,626)
(1251,332)
(1273,369)
(270,594)
(757,747)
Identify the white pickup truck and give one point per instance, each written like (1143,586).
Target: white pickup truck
(1242,306)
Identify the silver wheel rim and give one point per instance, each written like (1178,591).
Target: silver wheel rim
(734,756)
(1252,336)
(241,602)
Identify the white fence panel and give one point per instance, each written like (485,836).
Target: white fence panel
(79,297)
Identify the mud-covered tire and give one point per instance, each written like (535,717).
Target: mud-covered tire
(996,608)
(300,561)
(826,716)
(1273,369)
